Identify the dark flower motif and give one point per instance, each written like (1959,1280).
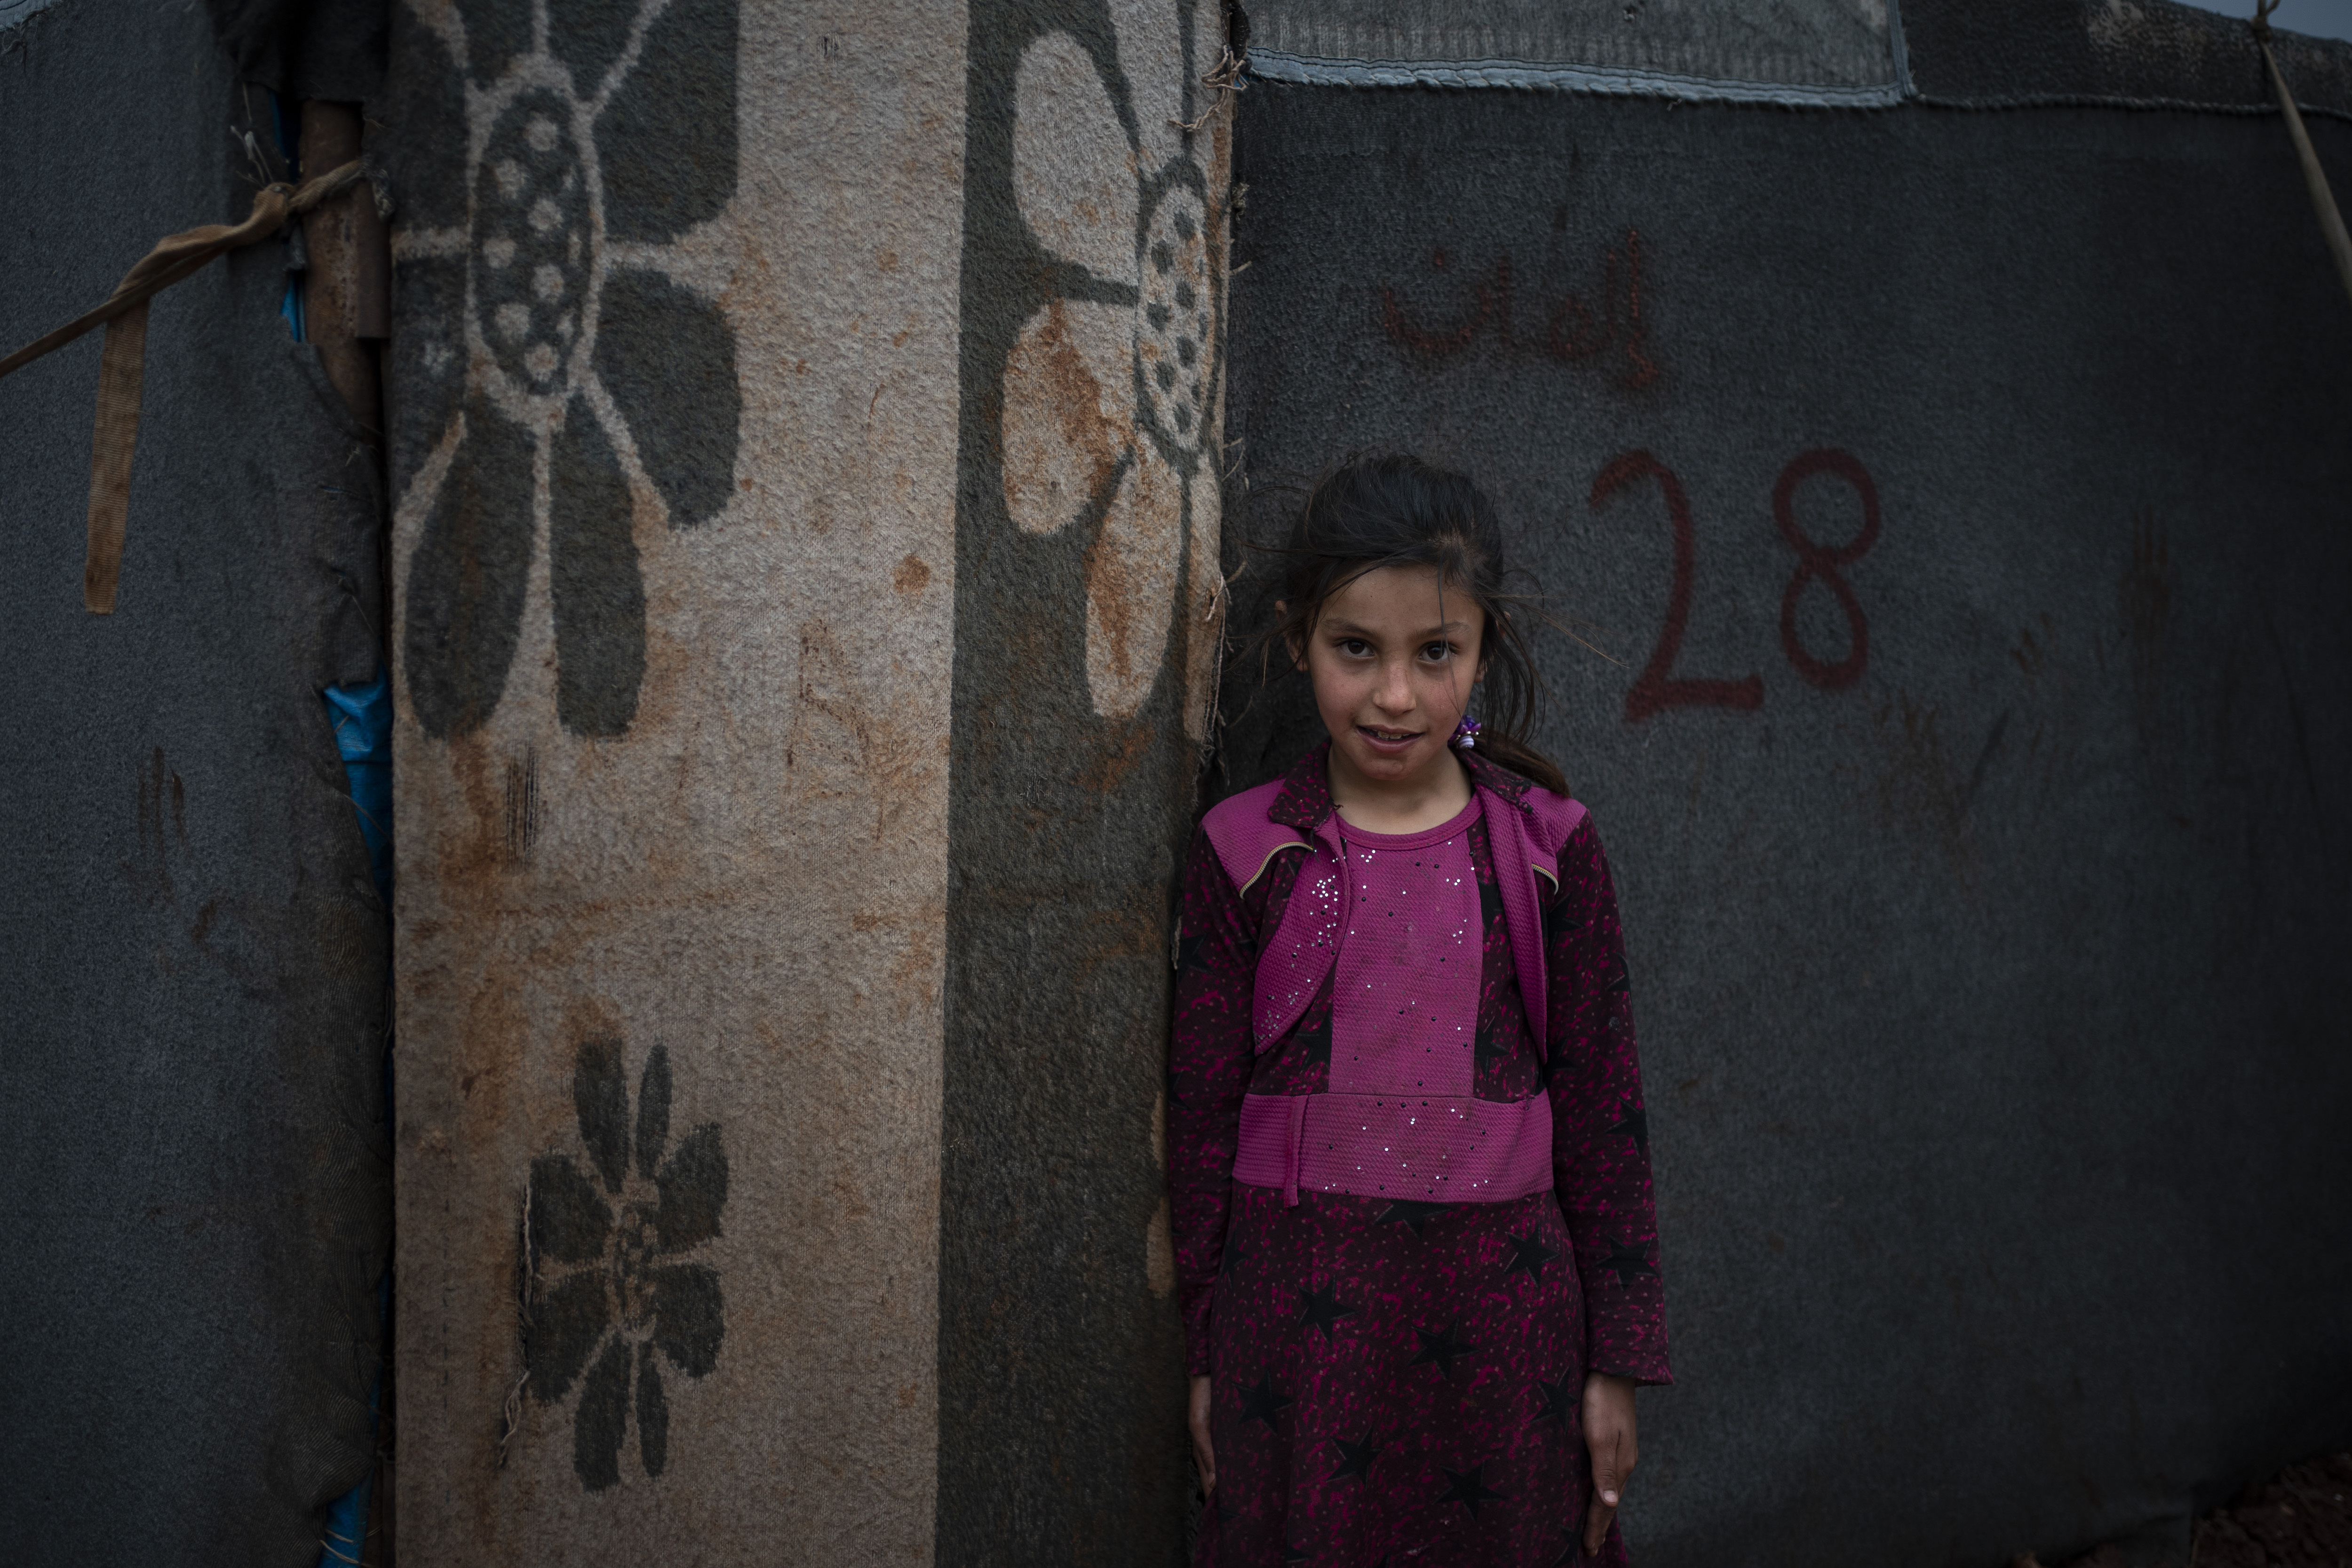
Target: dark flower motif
(607,1290)
(574,377)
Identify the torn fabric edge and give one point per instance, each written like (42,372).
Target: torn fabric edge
(1546,76)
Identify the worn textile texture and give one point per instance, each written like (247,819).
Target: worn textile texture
(1959,503)
(735,364)
(1087,622)
(674,390)
(193,950)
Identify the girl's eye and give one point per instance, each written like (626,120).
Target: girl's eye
(1438,652)
(1355,647)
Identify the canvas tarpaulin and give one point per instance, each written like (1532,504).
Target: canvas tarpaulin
(806,514)
(196,951)
(1959,503)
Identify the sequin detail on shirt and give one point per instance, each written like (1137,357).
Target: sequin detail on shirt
(1405,992)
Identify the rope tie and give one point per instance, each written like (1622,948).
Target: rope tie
(1223,80)
(2314,178)
(121,363)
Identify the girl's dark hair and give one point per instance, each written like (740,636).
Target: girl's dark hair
(1397,510)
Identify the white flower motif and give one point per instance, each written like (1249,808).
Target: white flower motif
(1111,391)
(592,388)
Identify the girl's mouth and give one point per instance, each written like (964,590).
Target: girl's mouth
(1388,741)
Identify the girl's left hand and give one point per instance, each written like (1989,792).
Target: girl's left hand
(1609,1438)
(1196,1412)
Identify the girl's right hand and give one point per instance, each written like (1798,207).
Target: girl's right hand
(1197,1417)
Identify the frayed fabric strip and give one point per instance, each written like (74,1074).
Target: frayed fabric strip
(113,437)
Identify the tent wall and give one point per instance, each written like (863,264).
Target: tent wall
(192,1075)
(1989,974)
(813,451)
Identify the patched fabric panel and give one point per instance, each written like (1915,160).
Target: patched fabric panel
(1786,51)
(673,387)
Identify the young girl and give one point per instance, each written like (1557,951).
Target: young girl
(1407,1148)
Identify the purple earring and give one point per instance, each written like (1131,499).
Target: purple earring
(1466,734)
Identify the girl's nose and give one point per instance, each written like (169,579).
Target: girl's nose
(1395,693)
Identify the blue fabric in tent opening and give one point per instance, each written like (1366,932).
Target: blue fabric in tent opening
(362,716)
(362,720)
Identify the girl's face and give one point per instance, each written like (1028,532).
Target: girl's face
(1394,656)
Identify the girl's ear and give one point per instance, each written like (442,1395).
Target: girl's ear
(1295,639)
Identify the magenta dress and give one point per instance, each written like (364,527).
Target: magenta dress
(1406,1229)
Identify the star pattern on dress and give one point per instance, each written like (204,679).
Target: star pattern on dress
(1411,1211)
(1575,1553)
(1627,1258)
(1188,952)
(1634,1119)
(1321,1309)
(1559,918)
(1558,1402)
(1264,1403)
(1529,1253)
(1469,1489)
(1356,1459)
(1442,1347)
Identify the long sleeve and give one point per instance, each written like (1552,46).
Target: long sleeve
(1600,1137)
(1210,1056)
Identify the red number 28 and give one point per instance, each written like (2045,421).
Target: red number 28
(1657,688)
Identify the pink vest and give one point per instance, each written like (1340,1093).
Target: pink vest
(1436,1148)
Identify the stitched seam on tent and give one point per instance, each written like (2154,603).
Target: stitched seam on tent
(1313,71)
(2097,100)
(1316,71)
